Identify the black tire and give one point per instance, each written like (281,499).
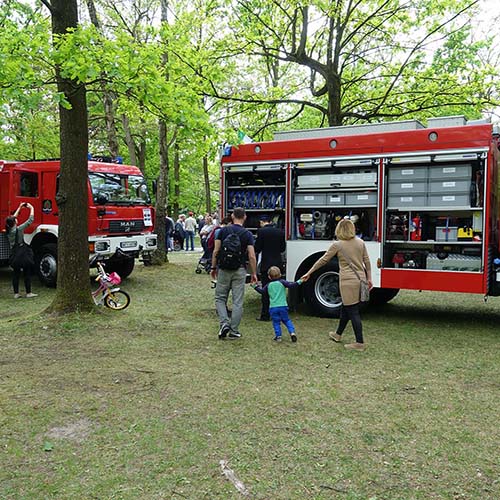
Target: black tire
(123,267)
(198,270)
(46,264)
(118,300)
(380,296)
(322,291)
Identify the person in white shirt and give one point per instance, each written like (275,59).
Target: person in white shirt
(190,225)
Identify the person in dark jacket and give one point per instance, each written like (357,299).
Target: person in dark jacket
(270,244)
(15,234)
(179,231)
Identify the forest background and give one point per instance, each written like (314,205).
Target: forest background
(181,78)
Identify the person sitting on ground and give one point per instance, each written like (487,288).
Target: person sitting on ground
(278,308)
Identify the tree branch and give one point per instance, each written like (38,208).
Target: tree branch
(49,6)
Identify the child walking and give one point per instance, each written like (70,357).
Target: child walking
(278,307)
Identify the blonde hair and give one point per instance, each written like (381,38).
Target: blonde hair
(345,230)
(274,272)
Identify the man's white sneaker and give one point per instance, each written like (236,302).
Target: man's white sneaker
(17,296)
(31,295)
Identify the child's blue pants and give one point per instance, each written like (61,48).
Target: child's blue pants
(279,315)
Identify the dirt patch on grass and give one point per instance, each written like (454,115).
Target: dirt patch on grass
(75,431)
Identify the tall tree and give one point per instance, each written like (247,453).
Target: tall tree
(365,60)
(163,180)
(107,96)
(73,288)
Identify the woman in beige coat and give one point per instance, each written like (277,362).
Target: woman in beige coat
(347,246)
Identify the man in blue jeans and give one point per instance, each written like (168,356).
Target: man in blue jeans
(190,225)
(233,280)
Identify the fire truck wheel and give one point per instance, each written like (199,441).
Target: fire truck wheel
(123,267)
(322,291)
(47,264)
(380,296)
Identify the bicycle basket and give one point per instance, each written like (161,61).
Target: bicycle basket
(114,278)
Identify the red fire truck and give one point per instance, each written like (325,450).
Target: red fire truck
(424,199)
(120,216)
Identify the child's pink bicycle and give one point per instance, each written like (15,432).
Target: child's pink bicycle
(108,293)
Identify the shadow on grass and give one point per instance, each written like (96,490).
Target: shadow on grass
(450,314)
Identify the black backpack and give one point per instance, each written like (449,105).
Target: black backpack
(229,256)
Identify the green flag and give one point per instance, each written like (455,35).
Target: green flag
(243,138)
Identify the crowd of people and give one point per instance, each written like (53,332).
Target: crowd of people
(181,233)
(230,251)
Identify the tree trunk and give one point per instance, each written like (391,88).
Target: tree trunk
(206,179)
(73,286)
(141,152)
(177,178)
(160,255)
(107,96)
(334,100)
(129,140)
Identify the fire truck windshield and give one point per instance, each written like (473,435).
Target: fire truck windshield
(119,189)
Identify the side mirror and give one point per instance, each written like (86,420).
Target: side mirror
(101,199)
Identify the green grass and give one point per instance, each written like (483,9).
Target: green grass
(144,403)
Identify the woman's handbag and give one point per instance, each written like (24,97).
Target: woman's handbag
(364,289)
(21,255)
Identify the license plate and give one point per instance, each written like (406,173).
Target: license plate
(128,244)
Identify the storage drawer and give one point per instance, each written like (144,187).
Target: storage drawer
(361,199)
(320,181)
(444,233)
(335,199)
(449,200)
(404,188)
(451,172)
(454,262)
(310,200)
(450,186)
(407,201)
(407,174)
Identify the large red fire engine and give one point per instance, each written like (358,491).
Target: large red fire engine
(120,216)
(424,199)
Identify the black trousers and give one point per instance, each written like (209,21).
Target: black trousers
(26,271)
(264,312)
(351,313)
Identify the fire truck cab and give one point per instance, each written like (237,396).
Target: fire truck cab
(424,200)
(120,216)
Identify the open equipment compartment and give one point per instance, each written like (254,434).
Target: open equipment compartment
(259,189)
(434,217)
(324,192)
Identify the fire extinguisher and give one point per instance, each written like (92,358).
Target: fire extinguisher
(416,228)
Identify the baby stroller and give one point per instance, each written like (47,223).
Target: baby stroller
(204,264)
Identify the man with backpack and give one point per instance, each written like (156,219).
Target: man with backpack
(234,247)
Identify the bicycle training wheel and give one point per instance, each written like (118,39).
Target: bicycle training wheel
(117,300)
